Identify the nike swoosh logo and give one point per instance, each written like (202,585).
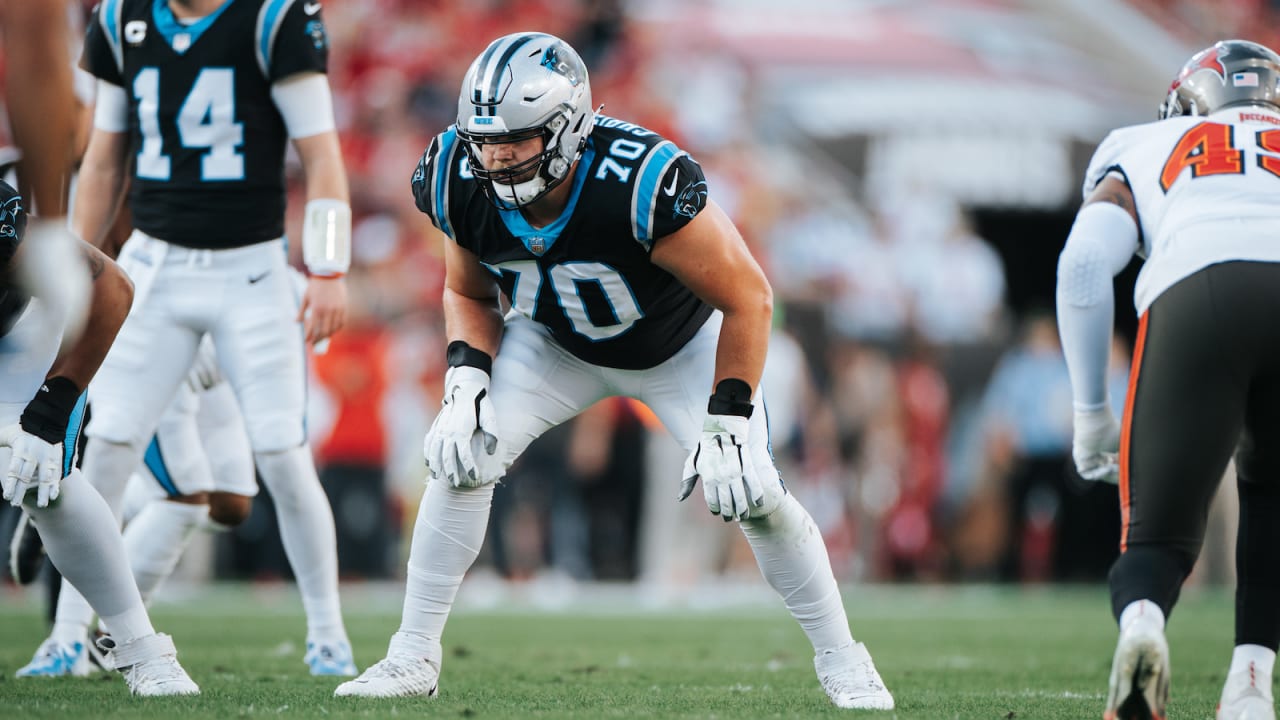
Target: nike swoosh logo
(671,189)
(255,278)
(311,8)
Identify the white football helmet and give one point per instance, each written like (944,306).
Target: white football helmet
(522,86)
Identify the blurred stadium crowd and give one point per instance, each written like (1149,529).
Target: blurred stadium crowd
(918,409)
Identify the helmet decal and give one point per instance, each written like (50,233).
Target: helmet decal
(493,77)
(1210,59)
(525,86)
(551,61)
(1229,73)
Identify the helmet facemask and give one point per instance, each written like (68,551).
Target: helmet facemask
(528,180)
(525,86)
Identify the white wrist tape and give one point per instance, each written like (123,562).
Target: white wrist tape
(326,237)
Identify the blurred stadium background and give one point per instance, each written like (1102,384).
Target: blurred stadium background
(907,172)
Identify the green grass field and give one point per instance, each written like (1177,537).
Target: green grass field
(967,652)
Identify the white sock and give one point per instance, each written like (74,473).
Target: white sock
(793,558)
(84,543)
(108,466)
(1263,660)
(155,539)
(306,529)
(1141,609)
(446,539)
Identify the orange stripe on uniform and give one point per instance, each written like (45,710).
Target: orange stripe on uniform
(1126,426)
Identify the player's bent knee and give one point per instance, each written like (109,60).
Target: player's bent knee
(275,433)
(229,510)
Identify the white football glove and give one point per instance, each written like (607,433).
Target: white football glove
(1095,446)
(204,373)
(42,443)
(723,461)
(33,464)
(465,428)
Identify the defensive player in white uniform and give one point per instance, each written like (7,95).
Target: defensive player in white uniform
(41,408)
(200,98)
(624,278)
(1197,195)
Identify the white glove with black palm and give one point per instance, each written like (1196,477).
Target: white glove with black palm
(462,444)
(1095,445)
(723,461)
(43,443)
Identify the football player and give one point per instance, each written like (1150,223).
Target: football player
(1197,195)
(196,101)
(42,405)
(623,278)
(197,472)
(41,109)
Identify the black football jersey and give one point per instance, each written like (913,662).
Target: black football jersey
(588,276)
(206,140)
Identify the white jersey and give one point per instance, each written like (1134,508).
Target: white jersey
(1207,190)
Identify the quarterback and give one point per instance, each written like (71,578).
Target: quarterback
(196,103)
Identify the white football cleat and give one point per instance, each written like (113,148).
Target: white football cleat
(330,658)
(149,665)
(1139,688)
(393,676)
(850,679)
(410,669)
(58,659)
(1246,696)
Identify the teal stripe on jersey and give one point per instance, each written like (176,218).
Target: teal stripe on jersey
(646,193)
(154,460)
(440,178)
(269,20)
(110,15)
(72,436)
(518,226)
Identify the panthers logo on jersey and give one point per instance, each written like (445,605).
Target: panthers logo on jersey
(10,212)
(588,276)
(13,224)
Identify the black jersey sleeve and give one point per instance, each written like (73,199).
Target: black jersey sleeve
(102,56)
(291,38)
(670,191)
(432,180)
